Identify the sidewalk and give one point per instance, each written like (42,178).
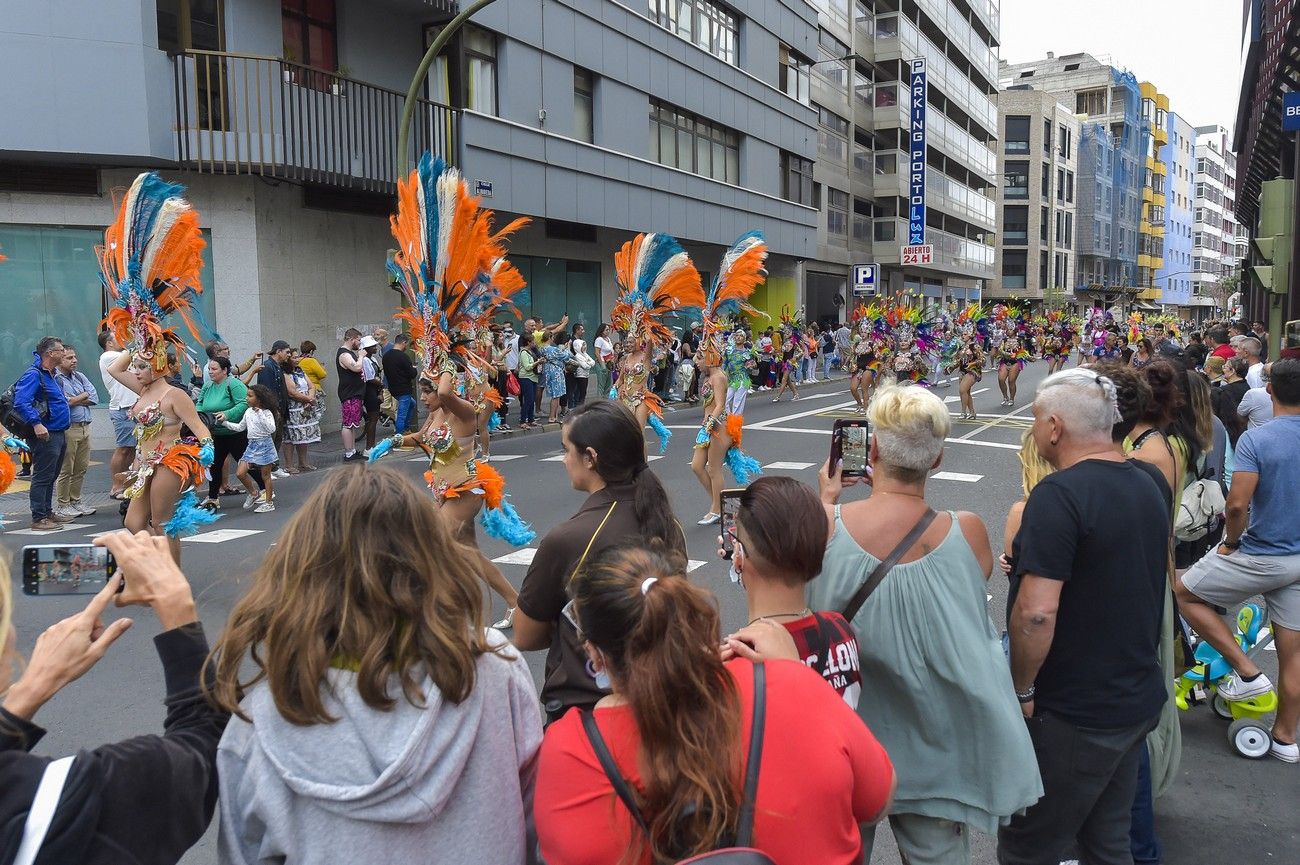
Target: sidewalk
(94,493)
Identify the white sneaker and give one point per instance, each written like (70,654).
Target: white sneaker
(709,519)
(508,622)
(264,508)
(250,500)
(1234,689)
(1285,753)
(280,474)
(82,509)
(67,511)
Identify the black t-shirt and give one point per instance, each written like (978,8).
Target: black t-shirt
(351,385)
(400,372)
(606,518)
(1102,529)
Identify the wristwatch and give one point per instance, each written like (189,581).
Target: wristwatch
(1232,545)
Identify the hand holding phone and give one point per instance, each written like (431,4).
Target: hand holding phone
(67,569)
(730,507)
(849,448)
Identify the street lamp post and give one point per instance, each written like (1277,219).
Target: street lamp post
(422,72)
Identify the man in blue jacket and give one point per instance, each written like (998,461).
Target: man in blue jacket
(40,402)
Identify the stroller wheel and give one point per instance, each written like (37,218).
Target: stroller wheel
(1221,708)
(1249,738)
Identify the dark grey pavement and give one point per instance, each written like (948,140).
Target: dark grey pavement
(1224,808)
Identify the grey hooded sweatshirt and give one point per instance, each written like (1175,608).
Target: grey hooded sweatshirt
(444,783)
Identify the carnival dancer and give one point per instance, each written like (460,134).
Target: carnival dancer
(950,345)
(1056,344)
(454,275)
(718,440)
(739,364)
(791,350)
(997,333)
(970,366)
(10,447)
(911,336)
(868,354)
(1011,357)
(150,264)
(657,277)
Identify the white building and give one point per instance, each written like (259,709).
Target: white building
(1218,242)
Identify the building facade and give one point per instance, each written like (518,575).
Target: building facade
(1124,126)
(1218,244)
(594,119)
(1038,200)
(1176,277)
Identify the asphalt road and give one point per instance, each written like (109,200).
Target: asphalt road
(1222,807)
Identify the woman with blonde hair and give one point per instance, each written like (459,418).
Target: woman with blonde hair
(380,714)
(659,770)
(942,700)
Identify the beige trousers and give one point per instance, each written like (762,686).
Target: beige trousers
(76,459)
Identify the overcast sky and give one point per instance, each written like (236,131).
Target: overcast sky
(1189,49)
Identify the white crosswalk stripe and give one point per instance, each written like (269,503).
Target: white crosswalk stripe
(788,466)
(956,476)
(220,536)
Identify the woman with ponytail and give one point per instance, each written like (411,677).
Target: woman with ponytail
(677,725)
(604,455)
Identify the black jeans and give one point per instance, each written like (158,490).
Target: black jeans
(578,393)
(1089,779)
(504,411)
(47,458)
(231,446)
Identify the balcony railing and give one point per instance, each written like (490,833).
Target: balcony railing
(245,114)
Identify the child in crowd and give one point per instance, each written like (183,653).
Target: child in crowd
(261,421)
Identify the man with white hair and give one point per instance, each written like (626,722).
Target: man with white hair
(1248,350)
(1085,626)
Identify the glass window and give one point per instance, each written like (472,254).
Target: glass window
(1069,187)
(1014,262)
(1060,185)
(52,287)
(1069,229)
(1047,137)
(797,179)
(583,105)
(1015,223)
(308,28)
(886,94)
(832,121)
(480,70)
(708,25)
(1015,179)
(884,230)
(684,141)
(191,24)
(1017,133)
(837,212)
(1045,183)
(1043,219)
(795,72)
(886,163)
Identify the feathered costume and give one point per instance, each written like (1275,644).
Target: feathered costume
(452,270)
(657,277)
(740,273)
(869,342)
(150,264)
(909,329)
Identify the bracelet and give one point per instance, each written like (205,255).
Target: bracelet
(206,441)
(1027,696)
(1232,545)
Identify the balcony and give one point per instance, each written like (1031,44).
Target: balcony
(245,114)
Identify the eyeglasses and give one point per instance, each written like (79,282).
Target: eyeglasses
(570,612)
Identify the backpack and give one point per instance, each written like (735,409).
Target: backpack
(1200,510)
(739,853)
(12,420)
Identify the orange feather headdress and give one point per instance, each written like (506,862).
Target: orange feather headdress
(150,264)
(740,273)
(450,266)
(657,277)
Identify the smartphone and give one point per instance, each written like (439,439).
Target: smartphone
(849,443)
(66,569)
(730,505)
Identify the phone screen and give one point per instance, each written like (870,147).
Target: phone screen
(730,505)
(853,449)
(75,569)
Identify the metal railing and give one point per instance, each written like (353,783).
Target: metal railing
(246,114)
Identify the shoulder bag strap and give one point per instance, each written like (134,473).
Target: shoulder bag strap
(745,825)
(611,768)
(873,581)
(41,814)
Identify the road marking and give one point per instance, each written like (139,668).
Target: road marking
(793,429)
(692,564)
(965,441)
(996,419)
(66,527)
(220,536)
(518,557)
(789,466)
(654,457)
(502,458)
(556,459)
(772,422)
(956,476)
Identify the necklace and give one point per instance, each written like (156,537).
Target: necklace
(896,493)
(804,612)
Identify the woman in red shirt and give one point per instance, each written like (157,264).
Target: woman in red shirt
(678,725)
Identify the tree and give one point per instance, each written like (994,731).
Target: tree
(1221,290)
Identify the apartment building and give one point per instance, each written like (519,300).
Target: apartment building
(1174,278)
(1038,161)
(1219,243)
(946,198)
(1119,244)
(593,118)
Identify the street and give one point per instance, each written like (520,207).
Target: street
(980,472)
